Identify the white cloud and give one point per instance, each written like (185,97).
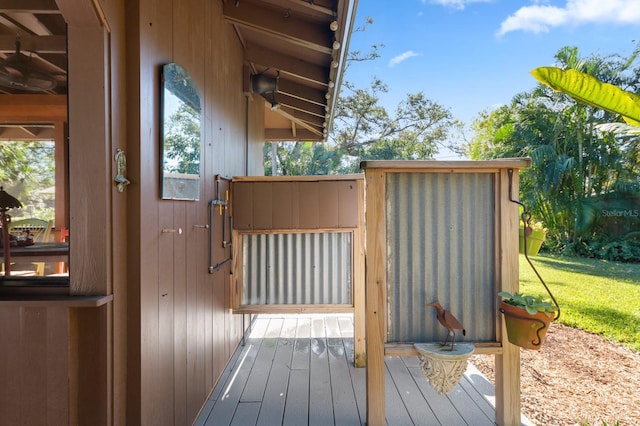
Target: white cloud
(402,57)
(456,4)
(541,18)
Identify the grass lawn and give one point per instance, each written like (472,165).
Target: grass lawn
(594,295)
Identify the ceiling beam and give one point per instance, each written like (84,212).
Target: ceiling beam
(301,91)
(323,7)
(300,105)
(86,13)
(289,28)
(29,6)
(303,119)
(287,64)
(23,109)
(20,133)
(289,135)
(40,44)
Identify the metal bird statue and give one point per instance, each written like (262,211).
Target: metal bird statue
(449,321)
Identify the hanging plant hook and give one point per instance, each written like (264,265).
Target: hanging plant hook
(526,220)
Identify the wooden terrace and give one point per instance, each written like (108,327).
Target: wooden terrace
(299,370)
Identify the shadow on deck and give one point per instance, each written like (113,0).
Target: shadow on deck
(299,370)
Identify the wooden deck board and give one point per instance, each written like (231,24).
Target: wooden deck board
(246,414)
(298,370)
(273,401)
(321,408)
(409,392)
(344,400)
(297,406)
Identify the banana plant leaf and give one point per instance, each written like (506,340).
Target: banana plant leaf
(591,91)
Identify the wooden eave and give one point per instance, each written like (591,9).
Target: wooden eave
(296,41)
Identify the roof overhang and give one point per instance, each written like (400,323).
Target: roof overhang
(304,45)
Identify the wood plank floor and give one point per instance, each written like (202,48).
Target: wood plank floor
(298,370)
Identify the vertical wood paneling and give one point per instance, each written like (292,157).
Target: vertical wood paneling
(155,28)
(243,205)
(34,373)
(308,205)
(184,336)
(348,196)
(262,205)
(329,207)
(89,155)
(282,205)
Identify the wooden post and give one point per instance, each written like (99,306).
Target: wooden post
(359,301)
(507,364)
(375,288)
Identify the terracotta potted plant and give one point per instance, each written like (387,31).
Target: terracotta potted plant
(527,318)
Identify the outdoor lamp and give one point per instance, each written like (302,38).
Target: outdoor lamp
(7,202)
(266,86)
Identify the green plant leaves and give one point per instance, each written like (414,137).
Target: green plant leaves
(591,91)
(532,304)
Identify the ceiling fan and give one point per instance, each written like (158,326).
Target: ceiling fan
(18,71)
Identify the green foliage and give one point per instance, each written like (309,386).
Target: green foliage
(531,303)
(182,141)
(590,91)
(572,160)
(363,129)
(616,250)
(302,158)
(597,296)
(27,168)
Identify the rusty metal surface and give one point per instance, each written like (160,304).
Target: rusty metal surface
(308,268)
(440,246)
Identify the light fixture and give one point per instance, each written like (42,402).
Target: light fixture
(266,86)
(333,25)
(336,45)
(7,202)
(18,71)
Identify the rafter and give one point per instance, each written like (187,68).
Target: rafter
(29,6)
(290,28)
(287,64)
(40,44)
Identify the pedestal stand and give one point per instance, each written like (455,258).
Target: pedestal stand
(442,367)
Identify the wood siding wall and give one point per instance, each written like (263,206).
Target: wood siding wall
(34,341)
(186,331)
(150,352)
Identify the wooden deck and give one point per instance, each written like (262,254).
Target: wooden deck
(298,370)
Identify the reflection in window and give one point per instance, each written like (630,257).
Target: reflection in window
(38,250)
(27,171)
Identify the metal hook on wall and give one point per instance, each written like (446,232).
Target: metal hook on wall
(121,168)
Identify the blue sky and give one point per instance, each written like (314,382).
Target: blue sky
(470,55)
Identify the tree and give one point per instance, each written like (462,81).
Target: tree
(182,141)
(363,129)
(573,161)
(26,167)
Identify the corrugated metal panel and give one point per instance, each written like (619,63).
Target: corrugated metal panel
(311,268)
(440,245)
